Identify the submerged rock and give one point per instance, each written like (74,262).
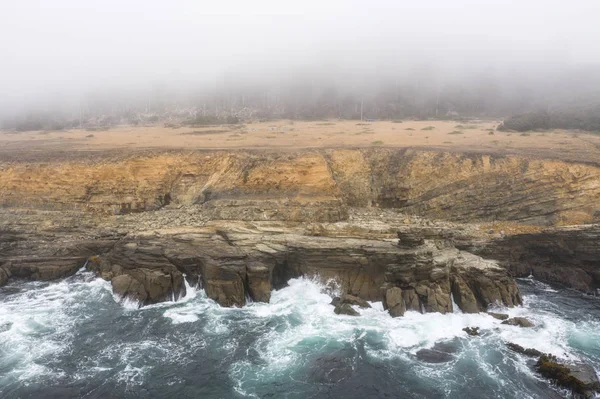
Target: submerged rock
(434,356)
(499,316)
(524,351)
(5,326)
(472,331)
(351,300)
(440,352)
(345,309)
(518,321)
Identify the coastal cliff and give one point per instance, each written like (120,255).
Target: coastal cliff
(378,223)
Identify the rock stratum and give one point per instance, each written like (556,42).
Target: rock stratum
(418,230)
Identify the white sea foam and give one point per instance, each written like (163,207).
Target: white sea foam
(42,320)
(297,323)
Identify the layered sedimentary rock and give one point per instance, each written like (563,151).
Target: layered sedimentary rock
(235,260)
(562,255)
(243,223)
(433,184)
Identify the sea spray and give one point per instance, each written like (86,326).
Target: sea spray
(72,335)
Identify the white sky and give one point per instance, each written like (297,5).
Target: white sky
(72,45)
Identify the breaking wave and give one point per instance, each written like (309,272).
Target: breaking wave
(72,339)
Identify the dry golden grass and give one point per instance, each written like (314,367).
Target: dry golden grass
(282,134)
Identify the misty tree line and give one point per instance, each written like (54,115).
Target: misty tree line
(569,103)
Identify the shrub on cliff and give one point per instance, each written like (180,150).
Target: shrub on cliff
(582,119)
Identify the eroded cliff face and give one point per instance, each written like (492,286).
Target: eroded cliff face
(236,260)
(243,223)
(437,185)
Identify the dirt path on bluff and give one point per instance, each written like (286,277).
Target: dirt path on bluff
(282,135)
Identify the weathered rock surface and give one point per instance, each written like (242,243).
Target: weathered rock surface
(393,301)
(562,255)
(434,184)
(524,351)
(499,316)
(235,260)
(345,309)
(588,377)
(3,277)
(518,321)
(472,331)
(351,300)
(579,378)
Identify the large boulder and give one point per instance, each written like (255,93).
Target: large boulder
(3,277)
(579,378)
(518,321)
(354,300)
(127,287)
(393,302)
(588,377)
(345,309)
(259,282)
(498,316)
(148,286)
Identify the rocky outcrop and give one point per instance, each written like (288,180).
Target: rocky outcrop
(518,321)
(345,309)
(234,260)
(393,301)
(563,255)
(3,276)
(316,197)
(498,316)
(427,277)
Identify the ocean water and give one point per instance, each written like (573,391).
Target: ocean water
(71,339)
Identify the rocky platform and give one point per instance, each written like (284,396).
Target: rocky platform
(409,267)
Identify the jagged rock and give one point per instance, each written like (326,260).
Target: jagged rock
(224,285)
(353,300)
(411,300)
(588,377)
(580,378)
(259,282)
(518,321)
(393,302)
(235,260)
(350,300)
(3,277)
(6,326)
(561,255)
(410,238)
(345,309)
(464,297)
(499,316)
(524,351)
(127,287)
(472,331)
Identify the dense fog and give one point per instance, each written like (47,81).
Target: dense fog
(68,62)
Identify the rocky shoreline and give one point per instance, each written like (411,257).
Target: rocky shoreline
(241,224)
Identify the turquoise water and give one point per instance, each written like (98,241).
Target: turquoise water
(71,339)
